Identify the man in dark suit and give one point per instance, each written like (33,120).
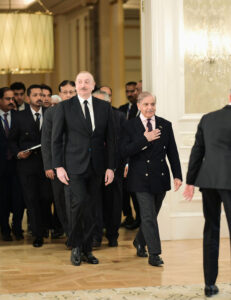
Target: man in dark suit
(10,188)
(57,185)
(109,209)
(210,169)
(146,141)
(19,90)
(26,133)
(88,126)
(131,111)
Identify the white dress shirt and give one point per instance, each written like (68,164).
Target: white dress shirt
(145,121)
(90,107)
(2,113)
(35,117)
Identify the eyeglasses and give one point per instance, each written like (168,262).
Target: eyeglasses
(68,92)
(9,98)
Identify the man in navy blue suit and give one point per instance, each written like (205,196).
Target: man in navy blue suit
(147,141)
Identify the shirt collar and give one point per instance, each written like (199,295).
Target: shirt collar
(143,118)
(3,112)
(34,112)
(82,100)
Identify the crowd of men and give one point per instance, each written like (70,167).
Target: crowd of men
(74,162)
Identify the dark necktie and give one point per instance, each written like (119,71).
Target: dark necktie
(149,125)
(37,120)
(6,127)
(87,115)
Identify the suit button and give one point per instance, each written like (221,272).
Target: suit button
(146,174)
(162,160)
(89,149)
(162,174)
(148,161)
(164,147)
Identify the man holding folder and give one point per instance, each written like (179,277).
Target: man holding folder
(25,139)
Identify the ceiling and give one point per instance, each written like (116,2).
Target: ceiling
(57,6)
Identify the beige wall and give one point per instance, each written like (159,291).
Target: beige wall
(204,93)
(132,46)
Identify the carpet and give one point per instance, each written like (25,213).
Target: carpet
(171,292)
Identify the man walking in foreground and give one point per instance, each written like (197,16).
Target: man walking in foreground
(210,169)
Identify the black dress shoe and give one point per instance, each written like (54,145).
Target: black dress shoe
(38,242)
(211,290)
(128,221)
(19,236)
(57,234)
(76,256)
(96,244)
(90,258)
(141,252)
(113,243)
(133,225)
(155,260)
(7,237)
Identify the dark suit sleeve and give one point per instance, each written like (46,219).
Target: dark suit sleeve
(173,155)
(110,141)
(57,136)
(46,140)
(129,147)
(14,137)
(196,156)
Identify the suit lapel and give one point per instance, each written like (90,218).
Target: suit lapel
(79,113)
(96,111)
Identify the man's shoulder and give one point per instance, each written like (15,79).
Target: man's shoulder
(124,106)
(163,121)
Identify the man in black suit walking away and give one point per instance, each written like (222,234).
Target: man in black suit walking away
(146,141)
(88,126)
(24,134)
(210,169)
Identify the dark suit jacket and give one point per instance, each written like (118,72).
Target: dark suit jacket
(4,143)
(23,135)
(148,170)
(119,120)
(80,144)
(210,159)
(133,110)
(46,137)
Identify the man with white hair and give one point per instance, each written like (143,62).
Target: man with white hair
(88,126)
(146,141)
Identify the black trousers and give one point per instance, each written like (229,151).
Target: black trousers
(112,207)
(148,233)
(212,200)
(85,190)
(60,211)
(127,210)
(36,187)
(11,199)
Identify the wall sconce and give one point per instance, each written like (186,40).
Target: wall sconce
(208,52)
(27,42)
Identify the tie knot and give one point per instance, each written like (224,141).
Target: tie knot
(85,102)
(5,115)
(37,115)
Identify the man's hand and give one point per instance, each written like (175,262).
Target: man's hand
(23,154)
(177,184)
(109,176)
(126,171)
(62,175)
(152,135)
(188,192)
(50,174)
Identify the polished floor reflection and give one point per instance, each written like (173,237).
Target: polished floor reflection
(27,269)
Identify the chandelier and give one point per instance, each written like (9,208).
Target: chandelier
(207,38)
(27,42)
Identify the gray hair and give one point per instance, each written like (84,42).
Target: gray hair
(105,95)
(143,95)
